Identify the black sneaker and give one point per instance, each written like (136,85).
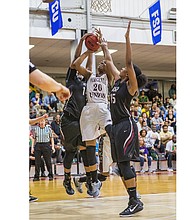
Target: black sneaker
(68,187)
(32,198)
(133,207)
(138,200)
(50,178)
(36,179)
(43,175)
(89,189)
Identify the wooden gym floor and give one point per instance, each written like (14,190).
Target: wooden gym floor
(158,193)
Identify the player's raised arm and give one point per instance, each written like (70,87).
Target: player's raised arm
(133,86)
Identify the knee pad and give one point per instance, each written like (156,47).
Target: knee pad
(91,155)
(126,170)
(68,159)
(84,158)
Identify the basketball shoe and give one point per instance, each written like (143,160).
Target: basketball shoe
(96,189)
(78,184)
(134,206)
(68,187)
(32,198)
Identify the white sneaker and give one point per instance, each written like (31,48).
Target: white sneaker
(96,189)
(170,170)
(142,171)
(78,185)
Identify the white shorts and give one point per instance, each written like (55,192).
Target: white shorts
(94,116)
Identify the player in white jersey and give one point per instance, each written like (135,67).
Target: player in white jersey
(95,115)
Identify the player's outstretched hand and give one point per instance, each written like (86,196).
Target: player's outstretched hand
(128,30)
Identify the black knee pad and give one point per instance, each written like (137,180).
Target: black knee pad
(68,159)
(91,155)
(84,157)
(126,170)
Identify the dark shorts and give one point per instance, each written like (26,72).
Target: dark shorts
(124,141)
(71,132)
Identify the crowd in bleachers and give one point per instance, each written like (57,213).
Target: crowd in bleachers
(156,121)
(155,118)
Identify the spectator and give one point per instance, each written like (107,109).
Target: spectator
(32,110)
(50,102)
(146,118)
(170,117)
(167,102)
(170,128)
(171,152)
(165,136)
(143,99)
(146,110)
(60,106)
(139,123)
(143,134)
(172,90)
(153,110)
(36,100)
(31,93)
(157,121)
(153,142)
(157,100)
(145,126)
(173,101)
(143,155)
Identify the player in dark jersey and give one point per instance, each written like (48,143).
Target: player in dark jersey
(124,134)
(70,119)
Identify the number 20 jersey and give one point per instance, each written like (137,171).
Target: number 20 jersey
(97,89)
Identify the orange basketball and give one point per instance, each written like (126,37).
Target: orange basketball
(91,42)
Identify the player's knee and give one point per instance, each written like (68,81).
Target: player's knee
(84,157)
(126,170)
(91,155)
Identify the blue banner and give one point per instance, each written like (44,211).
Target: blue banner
(55,16)
(155,22)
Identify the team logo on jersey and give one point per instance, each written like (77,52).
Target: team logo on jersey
(115,89)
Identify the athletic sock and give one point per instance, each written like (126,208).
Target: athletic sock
(132,192)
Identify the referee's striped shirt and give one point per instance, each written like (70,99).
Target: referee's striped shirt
(43,135)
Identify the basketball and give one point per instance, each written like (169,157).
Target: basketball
(91,42)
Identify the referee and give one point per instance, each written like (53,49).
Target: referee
(44,145)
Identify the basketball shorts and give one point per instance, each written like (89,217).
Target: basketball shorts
(124,141)
(71,132)
(94,117)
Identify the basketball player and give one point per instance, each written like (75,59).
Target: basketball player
(70,119)
(124,133)
(95,115)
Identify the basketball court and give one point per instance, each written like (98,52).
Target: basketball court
(158,193)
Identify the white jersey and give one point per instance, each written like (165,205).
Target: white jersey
(97,89)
